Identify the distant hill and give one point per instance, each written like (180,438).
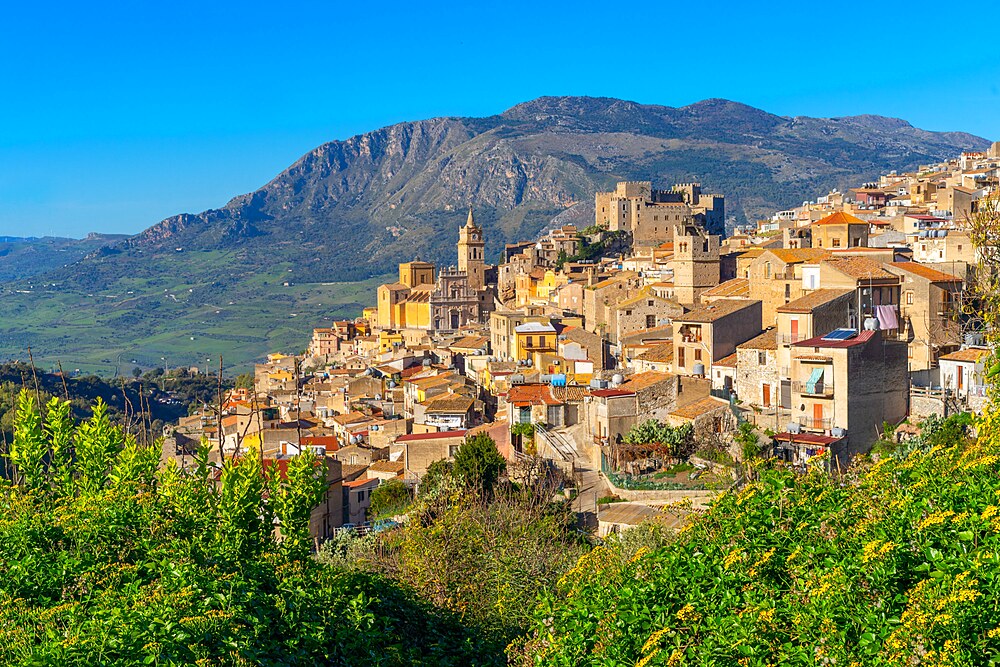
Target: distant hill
(198,284)
(23,257)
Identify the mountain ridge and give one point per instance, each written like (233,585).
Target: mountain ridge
(351,209)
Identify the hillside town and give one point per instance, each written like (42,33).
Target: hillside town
(818,330)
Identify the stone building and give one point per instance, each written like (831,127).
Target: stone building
(847,388)
(712,332)
(643,311)
(650,215)
(695,262)
(758,380)
(929,309)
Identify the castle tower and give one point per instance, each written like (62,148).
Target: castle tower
(471,258)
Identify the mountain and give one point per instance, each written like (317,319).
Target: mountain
(233,280)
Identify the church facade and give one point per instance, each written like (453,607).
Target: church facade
(440,301)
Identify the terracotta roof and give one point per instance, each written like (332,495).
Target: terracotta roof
(331,442)
(440,435)
(860,268)
(386,466)
(645,380)
(715,310)
(350,418)
(765,341)
(737,288)
(521,395)
(571,393)
(700,407)
(662,332)
(611,393)
(726,362)
(450,403)
(968,354)
(359,482)
(926,272)
(861,338)
(646,293)
(661,352)
(800,255)
(807,303)
(840,218)
(470,342)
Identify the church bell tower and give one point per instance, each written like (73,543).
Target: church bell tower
(471,259)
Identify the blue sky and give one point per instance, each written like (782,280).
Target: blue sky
(114,117)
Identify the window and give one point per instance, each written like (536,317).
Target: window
(960,247)
(361,496)
(836,243)
(788,291)
(761,357)
(909,298)
(697,355)
(649,303)
(680,357)
(650,321)
(767,269)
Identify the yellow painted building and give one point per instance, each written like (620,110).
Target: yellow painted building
(533,338)
(388,340)
(548,284)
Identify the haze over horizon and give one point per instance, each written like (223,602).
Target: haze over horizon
(213,102)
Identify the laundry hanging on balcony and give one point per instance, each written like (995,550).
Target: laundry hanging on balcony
(886,317)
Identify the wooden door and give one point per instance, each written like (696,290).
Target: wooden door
(795,330)
(817,415)
(767,395)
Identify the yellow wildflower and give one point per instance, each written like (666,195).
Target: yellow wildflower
(653,639)
(734,557)
(935,519)
(645,660)
(687,613)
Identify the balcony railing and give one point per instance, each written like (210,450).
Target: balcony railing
(788,339)
(814,424)
(816,389)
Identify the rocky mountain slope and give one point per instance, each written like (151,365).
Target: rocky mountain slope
(349,210)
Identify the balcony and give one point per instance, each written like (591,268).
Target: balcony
(814,424)
(690,334)
(819,389)
(789,339)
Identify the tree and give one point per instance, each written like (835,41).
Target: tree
(748,440)
(438,475)
(479,463)
(389,498)
(244,381)
(678,439)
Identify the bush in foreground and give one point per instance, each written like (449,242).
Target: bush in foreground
(106,560)
(898,563)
